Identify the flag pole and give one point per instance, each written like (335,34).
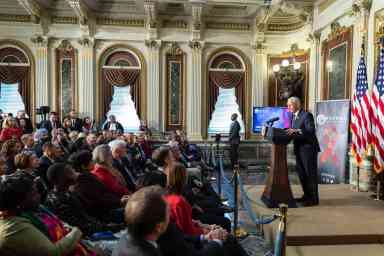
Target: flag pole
(358,165)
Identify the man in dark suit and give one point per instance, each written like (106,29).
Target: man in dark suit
(76,123)
(121,163)
(306,148)
(52,123)
(24,122)
(234,140)
(113,125)
(147,217)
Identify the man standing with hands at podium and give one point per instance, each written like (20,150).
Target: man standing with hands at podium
(306,148)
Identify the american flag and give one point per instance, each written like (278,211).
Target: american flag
(378,114)
(360,116)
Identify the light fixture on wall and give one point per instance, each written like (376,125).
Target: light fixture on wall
(329,66)
(289,75)
(287,66)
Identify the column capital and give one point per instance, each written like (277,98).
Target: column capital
(153,44)
(86,42)
(259,47)
(196,45)
(314,38)
(40,41)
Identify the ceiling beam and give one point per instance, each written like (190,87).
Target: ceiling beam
(81,10)
(33,8)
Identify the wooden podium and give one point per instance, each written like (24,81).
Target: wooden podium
(277,189)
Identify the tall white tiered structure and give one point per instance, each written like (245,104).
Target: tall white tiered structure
(225,106)
(123,107)
(10,99)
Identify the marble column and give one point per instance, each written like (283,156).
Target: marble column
(42,72)
(259,75)
(153,91)
(86,90)
(194,93)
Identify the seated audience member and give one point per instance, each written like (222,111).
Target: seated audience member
(106,173)
(52,123)
(88,125)
(145,144)
(135,153)
(25,123)
(76,122)
(60,140)
(3,166)
(89,144)
(163,158)
(180,209)
(67,206)
(193,171)
(27,231)
(72,139)
(173,242)
(28,143)
(113,125)
(10,130)
(9,149)
(50,156)
(120,163)
(144,128)
(97,199)
(27,162)
(147,217)
(67,124)
(40,137)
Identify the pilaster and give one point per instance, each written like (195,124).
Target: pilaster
(153,84)
(194,92)
(86,78)
(42,71)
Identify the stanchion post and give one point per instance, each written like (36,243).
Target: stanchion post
(218,159)
(358,179)
(378,187)
(283,218)
(235,188)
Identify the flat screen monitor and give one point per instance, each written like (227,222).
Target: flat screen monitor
(263,114)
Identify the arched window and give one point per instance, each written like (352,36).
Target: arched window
(226,91)
(120,88)
(15,70)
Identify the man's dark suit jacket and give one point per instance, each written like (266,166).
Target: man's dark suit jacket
(128,246)
(94,195)
(45,163)
(28,125)
(307,136)
(47,124)
(123,167)
(234,133)
(119,127)
(76,125)
(175,243)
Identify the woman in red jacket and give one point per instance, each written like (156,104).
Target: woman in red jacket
(103,170)
(10,130)
(180,209)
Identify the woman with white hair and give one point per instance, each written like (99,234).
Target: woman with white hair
(104,171)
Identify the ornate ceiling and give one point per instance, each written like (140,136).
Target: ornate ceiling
(263,15)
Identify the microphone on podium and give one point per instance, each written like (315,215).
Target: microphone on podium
(272,120)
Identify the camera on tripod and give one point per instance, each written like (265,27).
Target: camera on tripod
(43,112)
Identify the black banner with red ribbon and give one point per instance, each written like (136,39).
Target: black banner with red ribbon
(332,124)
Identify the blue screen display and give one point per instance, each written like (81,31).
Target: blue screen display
(263,114)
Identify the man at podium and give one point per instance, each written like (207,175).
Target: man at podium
(306,148)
